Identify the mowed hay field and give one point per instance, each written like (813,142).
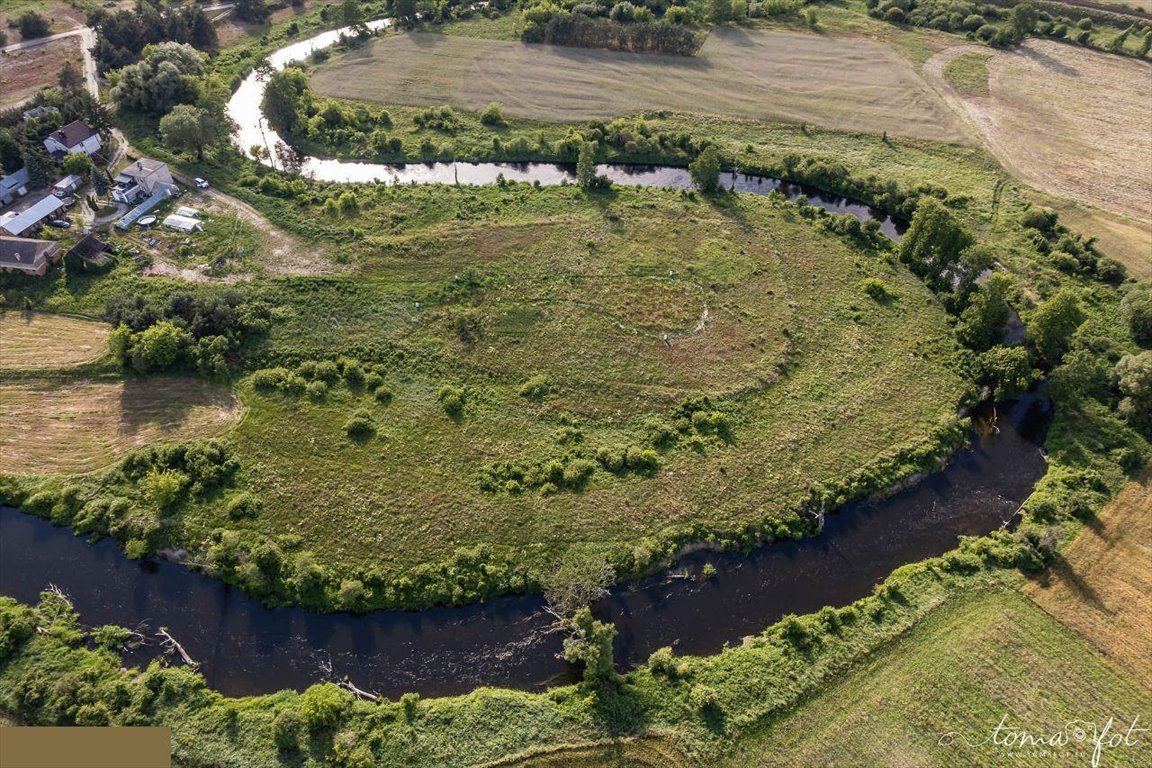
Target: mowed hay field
(37,340)
(973,661)
(839,83)
(76,426)
(1069,121)
(1101,585)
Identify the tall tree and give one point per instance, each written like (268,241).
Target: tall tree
(1052,324)
(705,169)
(982,321)
(71,78)
(39,166)
(586,165)
(189,129)
(934,243)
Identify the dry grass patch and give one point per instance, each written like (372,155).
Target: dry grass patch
(1101,586)
(78,426)
(847,84)
(36,340)
(1069,121)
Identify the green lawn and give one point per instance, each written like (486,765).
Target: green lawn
(968,74)
(765,315)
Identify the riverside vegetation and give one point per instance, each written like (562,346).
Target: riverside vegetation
(462,349)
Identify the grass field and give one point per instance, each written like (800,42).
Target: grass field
(968,74)
(35,340)
(584,298)
(970,663)
(1069,121)
(80,425)
(1101,586)
(838,83)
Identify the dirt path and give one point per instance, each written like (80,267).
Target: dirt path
(1065,120)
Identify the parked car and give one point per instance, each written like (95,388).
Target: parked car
(60,223)
(201,183)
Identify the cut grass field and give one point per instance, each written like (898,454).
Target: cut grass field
(1101,585)
(38,341)
(1069,121)
(70,426)
(846,84)
(971,662)
(816,377)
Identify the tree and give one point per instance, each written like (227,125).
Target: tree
(405,10)
(285,97)
(705,169)
(39,166)
(166,76)
(721,11)
(1053,323)
(159,347)
(99,181)
(350,13)
(1134,376)
(586,165)
(982,322)
(1007,370)
(1137,308)
(189,129)
(11,158)
(934,243)
(71,79)
(590,644)
(1023,18)
(32,24)
(1081,374)
(78,164)
(253,11)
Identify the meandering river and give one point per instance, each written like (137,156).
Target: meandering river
(253,130)
(247,648)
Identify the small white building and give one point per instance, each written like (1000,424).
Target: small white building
(184,210)
(140,179)
(73,138)
(184,224)
(67,185)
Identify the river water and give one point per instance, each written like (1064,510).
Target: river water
(252,130)
(247,648)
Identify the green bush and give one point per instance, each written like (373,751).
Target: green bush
(244,505)
(452,400)
(536,388)
(361,426)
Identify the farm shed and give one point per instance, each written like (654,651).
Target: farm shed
(31,217)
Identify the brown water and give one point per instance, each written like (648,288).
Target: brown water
(247,648)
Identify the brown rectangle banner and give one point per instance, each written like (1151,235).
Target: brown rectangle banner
(85,747)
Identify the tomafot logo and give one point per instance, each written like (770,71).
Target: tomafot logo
(1075,739)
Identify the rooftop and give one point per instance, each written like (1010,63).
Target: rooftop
(73,133)
(33,214)
(24,252)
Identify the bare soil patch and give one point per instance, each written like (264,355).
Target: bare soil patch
(36,340)
(1068,121)
(840,83)
(27,71)
(1101,586)
(77,426)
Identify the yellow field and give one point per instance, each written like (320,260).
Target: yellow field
(1102,585)
(77,426)
(36,340)
(848,84)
